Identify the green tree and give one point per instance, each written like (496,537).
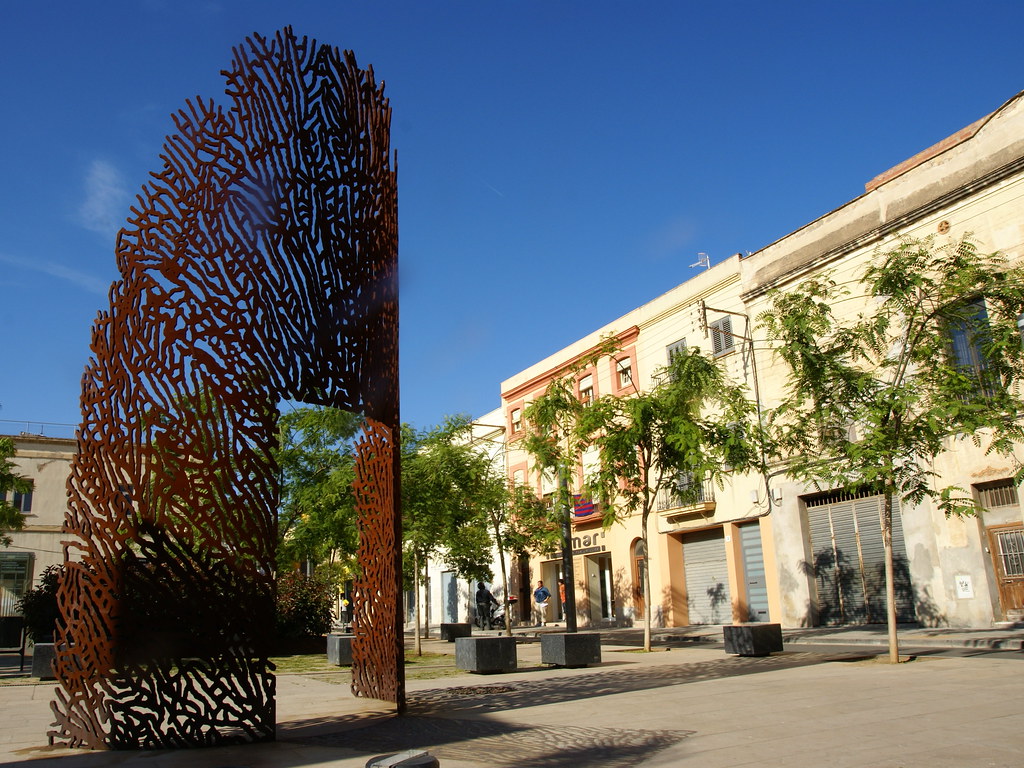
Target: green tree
(317,521)
(11,518)
(555,443)
(442,512)
(690,428)
(872,401)
(317,524)
(518,521)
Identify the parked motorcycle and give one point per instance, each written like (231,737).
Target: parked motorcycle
(498,613)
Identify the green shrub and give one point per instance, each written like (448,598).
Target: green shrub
(303,605)
(39,606)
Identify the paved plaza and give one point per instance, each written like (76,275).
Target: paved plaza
(824,701)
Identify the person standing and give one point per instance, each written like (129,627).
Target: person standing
(541,595)
(484,600)
(561,595)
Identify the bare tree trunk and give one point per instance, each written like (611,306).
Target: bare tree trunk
(426,596)
(890,581)
(504,577)
(416,601)
(647,579)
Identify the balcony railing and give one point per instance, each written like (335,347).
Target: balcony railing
(686,496)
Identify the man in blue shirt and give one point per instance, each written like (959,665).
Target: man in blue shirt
(541,595)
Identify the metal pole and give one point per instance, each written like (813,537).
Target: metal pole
(568,575)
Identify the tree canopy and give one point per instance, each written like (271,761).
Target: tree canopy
(316,456)
(445,497)
(692,427)
(11,518)
(934,357)
(689,428)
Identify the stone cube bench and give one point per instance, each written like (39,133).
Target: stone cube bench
(339,650)
(486,654)
(43,655)
(570,649)
(451,632)
(753,639)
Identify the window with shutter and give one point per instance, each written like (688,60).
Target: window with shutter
(674,349)
(722,340)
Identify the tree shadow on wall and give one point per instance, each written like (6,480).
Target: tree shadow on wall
(846,595)
(717,608)
(624,598)
(833,580)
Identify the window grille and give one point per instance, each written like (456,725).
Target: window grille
(1002,495)
(834,497)
(1011,552)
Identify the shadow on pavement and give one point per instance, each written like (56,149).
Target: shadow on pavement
(517,694)
(507,744)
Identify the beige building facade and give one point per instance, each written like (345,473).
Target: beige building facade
(46,462)
(770,549)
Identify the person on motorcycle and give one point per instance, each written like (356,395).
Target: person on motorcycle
(484,599)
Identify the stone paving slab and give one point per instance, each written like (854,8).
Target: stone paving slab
(689,706)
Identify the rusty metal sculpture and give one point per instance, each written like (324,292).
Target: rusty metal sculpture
(258,265)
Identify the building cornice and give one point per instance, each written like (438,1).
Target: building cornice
(886,229)
(622,338)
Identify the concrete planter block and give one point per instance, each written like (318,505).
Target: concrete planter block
(570,649)
(486,654)
(42,661)
(451,632)
(339,650)
(753,639)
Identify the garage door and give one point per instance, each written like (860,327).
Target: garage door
(849,560)
(707,578)
(753,570)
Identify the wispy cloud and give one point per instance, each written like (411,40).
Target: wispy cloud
(86,282)
(105,204)
(673,238)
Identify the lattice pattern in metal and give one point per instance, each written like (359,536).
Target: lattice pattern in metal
(258,264)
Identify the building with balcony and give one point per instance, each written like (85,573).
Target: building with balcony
(760,549)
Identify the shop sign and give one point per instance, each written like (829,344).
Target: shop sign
(588,544)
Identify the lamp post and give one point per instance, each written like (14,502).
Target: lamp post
(568,572)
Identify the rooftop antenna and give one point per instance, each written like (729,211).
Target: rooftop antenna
(702,261)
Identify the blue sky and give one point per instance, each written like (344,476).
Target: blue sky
(560,163)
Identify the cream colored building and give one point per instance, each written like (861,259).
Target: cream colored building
(46,461)
(760,551)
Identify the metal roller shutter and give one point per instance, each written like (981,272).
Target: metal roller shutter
(753,569)
(849,560)
(707,578)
